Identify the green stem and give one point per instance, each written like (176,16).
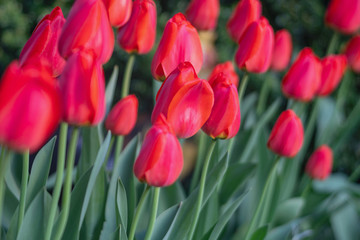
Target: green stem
(201,151)
(153,213)
(24,182)
(264,92)
(4,162)
(137,213)
(242,86)
(333,43)
(67,184)
(59,179)
(127,76)
(201,189)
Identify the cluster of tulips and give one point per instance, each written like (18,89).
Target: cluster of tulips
(59,80)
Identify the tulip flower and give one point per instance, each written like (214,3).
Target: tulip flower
(122,118)
(138,34)
(185,100)
(287,135)
(333,69)
(83,89)
(352,53)
(224,120)
(44,42)
(30,106)
(119,11)
(282,50)
(246,12)
(302,80)
(203,14)
(226,68)
(256,47)
(180,43)
(343,15)
(320,163)
(87,27)
(160,160)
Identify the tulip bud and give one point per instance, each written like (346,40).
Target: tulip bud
(160,160)
(282,50)
(246,12)
(83,89)
(87,27)
(302,80)
(224,120)
(203,14)
(44,42)
(138,34)
(344,15)
(119,11)
(256,47)
(352,53)
(122,118)
(320,163)
(185,100)
(333,69)
(30,106)
(180,43)
(226,68)
(287,135)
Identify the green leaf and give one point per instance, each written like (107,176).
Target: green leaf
(40,170)
(288,210)
(281,232)
(164,220)
(13,175)
(10,214)
(170,196)
(260,233)
(209,216)
(183,220)
(110,88)
(121,205)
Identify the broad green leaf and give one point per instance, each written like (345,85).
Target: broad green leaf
(40,170)
(170,196)
(110,88)
(288,210)
(163,222)
(260,233)
(13,174)
(209,216)
(121,206)
(10,214)
(281,232)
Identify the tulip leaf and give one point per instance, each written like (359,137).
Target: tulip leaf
(281,232)
(288,210)
(260,233)
(13,175)
(121,206)
(10,214)
(170,196)
(183,220)
(164,220)
(110,88)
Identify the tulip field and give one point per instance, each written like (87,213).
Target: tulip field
(180,120)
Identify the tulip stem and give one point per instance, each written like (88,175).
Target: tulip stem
(4,161)
(153,213)
(137,213)
(67,184)
(24,182)
(333,43)
(242,87)
(59,178)
(127,76)
(201,189)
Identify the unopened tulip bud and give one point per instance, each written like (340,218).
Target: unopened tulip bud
(44,42)
(185,100)
(352,53)
(320,163)
(302,80)
(287,135)
(344,15)
(122,118)
(246,12)
(203,14)
(119,11)
(160,160)
(138,34)
(333,69)
(82,86)
(226,68)
(256,47)
(282,50)
(180,43)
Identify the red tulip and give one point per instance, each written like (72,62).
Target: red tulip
(180,43)
(203,14)
(160,160)
(228,69)
(87,27)
(122,118)
(352,53)
(224,121)
(302,80)
(287,135)
(344,15)
(30,106)
(320,163)
(246,12)
(119,11)
(185,100)
(282,50)
(83,89)
(256,47)
(138,34)
(44,42)
(333,69)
